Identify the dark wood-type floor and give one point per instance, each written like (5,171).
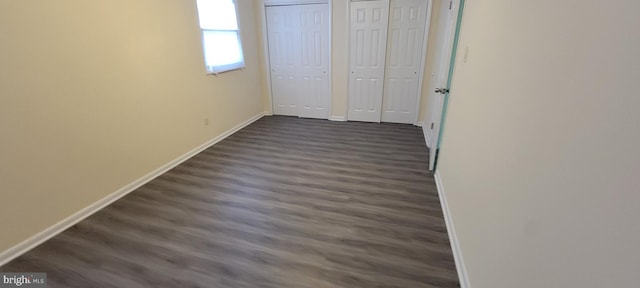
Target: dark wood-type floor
(285,202)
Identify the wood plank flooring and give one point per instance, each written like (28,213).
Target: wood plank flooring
(285,202)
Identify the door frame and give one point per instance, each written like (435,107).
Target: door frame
(423,57)
(265,44)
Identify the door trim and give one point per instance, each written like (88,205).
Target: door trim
(266,58)
(265,55)
(423,64)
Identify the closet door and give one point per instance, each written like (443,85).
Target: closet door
(407,21)
(283,39)
(368,41)
(314,76)
(298,39)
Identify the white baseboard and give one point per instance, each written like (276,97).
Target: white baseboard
(337,118)
(54,230)
(453,239)
(427,138)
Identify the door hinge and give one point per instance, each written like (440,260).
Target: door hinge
(431,125)
(450,4)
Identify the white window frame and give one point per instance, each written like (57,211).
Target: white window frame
(214,70)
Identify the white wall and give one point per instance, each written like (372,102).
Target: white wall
(95,94)
(540,161)
(340,57)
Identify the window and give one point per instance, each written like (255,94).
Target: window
(220,35)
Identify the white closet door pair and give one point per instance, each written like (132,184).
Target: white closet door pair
(386,47)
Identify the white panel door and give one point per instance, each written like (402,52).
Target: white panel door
(298,39)
(314,76)
(407,21)
(440,76)
(368,42)
(283,39)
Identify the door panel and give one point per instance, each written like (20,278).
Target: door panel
(298,39)
(314,96)
(404,59)
(368,29)
(282,56)
(441,65)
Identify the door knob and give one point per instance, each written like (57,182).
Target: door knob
(442,90)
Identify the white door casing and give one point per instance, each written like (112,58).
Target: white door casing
(439,78)
(298,40)
(407,22)
(368,39)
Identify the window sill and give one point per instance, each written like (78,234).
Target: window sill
(224,71)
